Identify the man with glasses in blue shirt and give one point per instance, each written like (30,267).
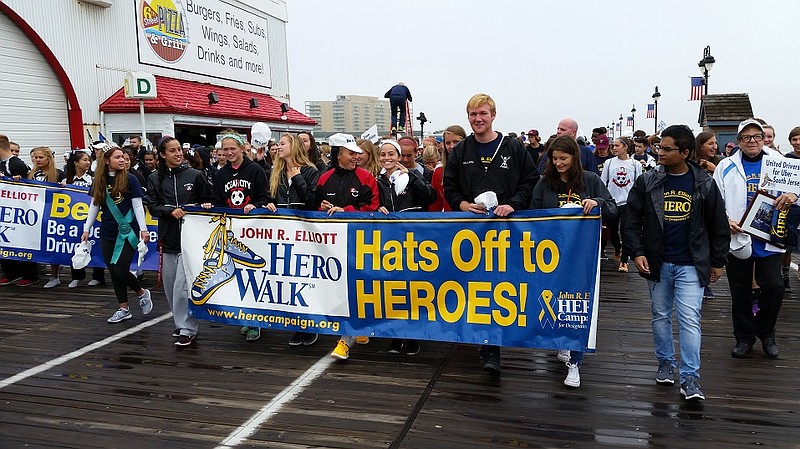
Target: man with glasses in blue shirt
(754,315)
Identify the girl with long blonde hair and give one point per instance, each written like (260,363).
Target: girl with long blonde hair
(293,185)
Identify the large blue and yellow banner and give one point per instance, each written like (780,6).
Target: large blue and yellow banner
(530,280)
(43,222)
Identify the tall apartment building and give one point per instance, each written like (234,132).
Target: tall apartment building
(352,114)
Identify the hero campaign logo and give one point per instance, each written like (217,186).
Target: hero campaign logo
(164,25)
(569,310)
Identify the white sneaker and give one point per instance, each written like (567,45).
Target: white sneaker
(145,303)
(573,376)
(53,282)
(564,355)
(120,315)
(93,283)
(74,283)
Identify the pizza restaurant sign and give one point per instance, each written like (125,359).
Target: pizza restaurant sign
(207,37)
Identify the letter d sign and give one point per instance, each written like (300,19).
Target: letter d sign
(140,85)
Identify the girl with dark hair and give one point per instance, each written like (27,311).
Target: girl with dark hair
(293,185)
(170,188)
(312,148)
(130,158)
(200,159)
(119,195)
(78,174)
(618,175)
(565,183)
(401,190)
(705,151)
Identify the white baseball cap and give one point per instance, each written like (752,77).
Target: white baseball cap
(260,135)
(748,122)
(344,140)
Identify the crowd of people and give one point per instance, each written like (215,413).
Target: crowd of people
(671,204)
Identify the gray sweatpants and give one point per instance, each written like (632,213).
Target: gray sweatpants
(176,288)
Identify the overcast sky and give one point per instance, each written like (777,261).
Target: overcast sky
(545,60)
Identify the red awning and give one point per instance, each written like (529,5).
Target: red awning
(191,98)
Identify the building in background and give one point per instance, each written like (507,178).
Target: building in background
(722,113)
(217,64)
(352,114)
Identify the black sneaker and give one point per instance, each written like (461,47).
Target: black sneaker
(666,373)
(184,340)
(491,359)
(741,349)
(176,333)
(396,346)
(690,389)
(297,339)
(787,288)
(770,347)
(413,348)
(708,293)
(310,339)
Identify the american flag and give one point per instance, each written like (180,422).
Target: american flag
(697,88)
(618,126)
(651,110)
(630,121)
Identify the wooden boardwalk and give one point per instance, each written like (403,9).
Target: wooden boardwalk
(141,392)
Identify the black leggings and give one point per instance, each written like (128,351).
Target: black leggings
(121,277)
(614,226)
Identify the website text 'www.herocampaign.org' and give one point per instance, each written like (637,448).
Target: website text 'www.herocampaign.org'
(302,323)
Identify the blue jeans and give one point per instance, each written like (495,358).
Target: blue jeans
(679,287)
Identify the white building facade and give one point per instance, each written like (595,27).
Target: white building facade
(62,60)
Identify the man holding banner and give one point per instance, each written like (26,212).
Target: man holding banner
(676,231)
(484,162)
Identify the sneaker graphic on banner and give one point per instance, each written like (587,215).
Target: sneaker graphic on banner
(223,238)
(214,275)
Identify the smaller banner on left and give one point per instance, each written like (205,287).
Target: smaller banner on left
(43,222)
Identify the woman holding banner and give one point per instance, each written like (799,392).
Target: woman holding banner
(401,190)
(173,185)
(346,188)
(239,184)
(44,170)
(293,185)
(564,183)
(119,195)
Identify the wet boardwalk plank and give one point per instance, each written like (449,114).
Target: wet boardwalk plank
(139,391)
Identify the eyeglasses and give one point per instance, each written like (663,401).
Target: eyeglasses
(665,149)
(751,138)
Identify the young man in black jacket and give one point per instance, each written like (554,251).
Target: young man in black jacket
(677,232)
(488,161)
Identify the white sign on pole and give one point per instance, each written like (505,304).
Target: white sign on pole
(781,174)
(140,85)
(207,37)
(371,134)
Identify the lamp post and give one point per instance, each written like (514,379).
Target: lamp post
(656,96)
(705,65)
(620,124)
(633,118)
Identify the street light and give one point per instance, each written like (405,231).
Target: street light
(620,124)
(656,96)
(633,118)
(705,65)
